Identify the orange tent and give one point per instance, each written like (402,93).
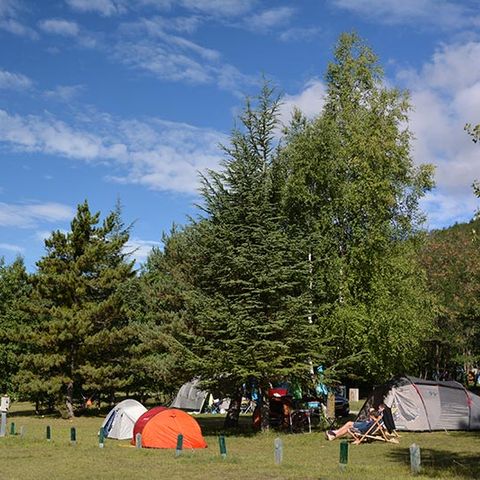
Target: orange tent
(162,430)
(143,420)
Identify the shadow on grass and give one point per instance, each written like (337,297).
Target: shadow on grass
(213,425)
(436,461)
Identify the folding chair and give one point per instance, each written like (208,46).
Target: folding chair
(377,431)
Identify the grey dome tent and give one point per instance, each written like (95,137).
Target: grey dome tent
(190,397)
(426,405)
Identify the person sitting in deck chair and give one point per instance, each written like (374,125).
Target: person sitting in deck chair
(361,426)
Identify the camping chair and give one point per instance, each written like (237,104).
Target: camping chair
(377,431)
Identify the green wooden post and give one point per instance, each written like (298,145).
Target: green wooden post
(49,433)
(73,436)
(12,429)
(178,450)
(101,438)
(223,446)
(343,454)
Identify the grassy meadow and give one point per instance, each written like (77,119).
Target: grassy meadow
(452,455)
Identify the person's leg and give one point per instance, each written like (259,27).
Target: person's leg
(340,432)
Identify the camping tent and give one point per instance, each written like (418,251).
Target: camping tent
(190,397)
(162,430)
(120,420)
(425,405)
(141,422)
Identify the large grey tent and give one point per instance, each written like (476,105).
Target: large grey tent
(190,397)
(425,405)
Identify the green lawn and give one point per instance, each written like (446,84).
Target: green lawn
(307,456)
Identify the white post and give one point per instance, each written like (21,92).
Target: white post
(353,395)
(415,459)
(278,451)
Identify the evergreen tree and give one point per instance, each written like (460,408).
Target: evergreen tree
(14,294)
(80,345)
(250,297)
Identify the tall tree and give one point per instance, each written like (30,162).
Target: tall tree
(81,342)
(250,286)
(15,289)
(353,190)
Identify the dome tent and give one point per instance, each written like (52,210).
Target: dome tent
(119,422)
(426,405)
(143,419)
(162,430)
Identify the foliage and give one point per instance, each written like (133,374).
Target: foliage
(451,258)
(14,293)
(353,191)
(79,345)
(250,281)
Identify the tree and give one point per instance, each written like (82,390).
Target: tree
(451,258)
(249,290)
(159,307)
(15,289)
(353,190)
(473,131)
(80,344)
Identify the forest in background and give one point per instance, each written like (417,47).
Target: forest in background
(308,250)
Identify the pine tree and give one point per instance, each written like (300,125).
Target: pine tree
(251,302)
(80,345)
(15,289)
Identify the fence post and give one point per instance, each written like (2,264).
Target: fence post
(12,429)
(223,446)
(415,458)
(73,436)
(343,454)
(178,450)
(49,433)
(101,437)
(3,424)
(278,451)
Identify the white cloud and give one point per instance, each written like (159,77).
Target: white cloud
(60,26)
(103,7)
(309,101)
(175,58)
(48,135)
(14,81)
(440,13)
(140,249)
(11,247)
(64,92)
(213,8)
(270,18)
(227,8)
(299,34)
(445,95)
(9,12)
(30,215)
(154,153)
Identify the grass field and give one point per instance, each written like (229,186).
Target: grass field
(454,455)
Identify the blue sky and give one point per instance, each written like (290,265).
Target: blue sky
(127,100)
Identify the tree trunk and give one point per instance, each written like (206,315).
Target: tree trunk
(233,413)
(265,414)
(69,400)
